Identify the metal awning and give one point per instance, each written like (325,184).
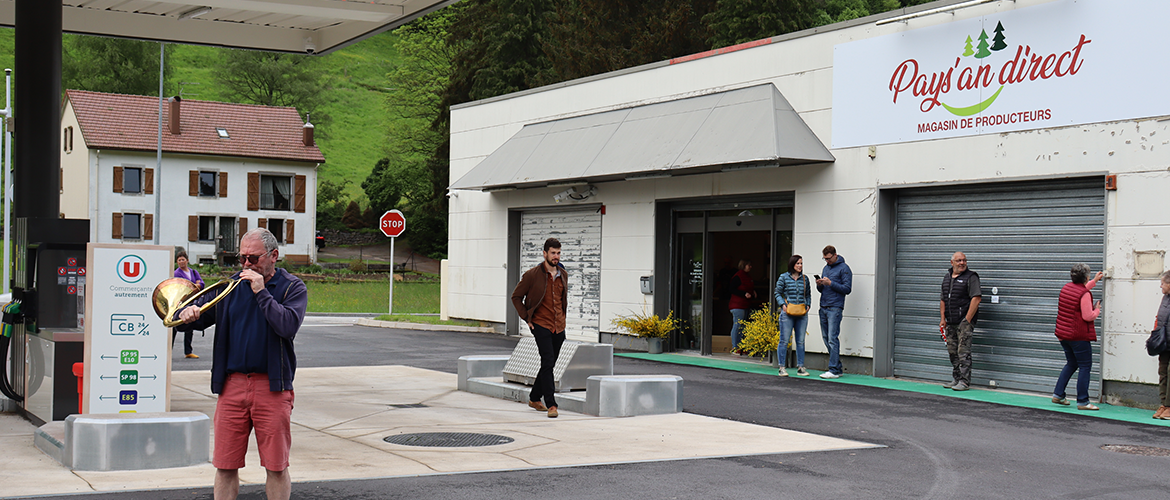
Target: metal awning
(314,26)
(744,128)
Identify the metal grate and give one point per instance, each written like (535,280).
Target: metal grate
(1130,449)
(408,405)
(448,439)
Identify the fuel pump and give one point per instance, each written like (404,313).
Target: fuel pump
(11,318)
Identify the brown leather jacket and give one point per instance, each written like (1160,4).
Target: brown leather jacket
(530,290)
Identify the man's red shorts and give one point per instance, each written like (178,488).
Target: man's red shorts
(246,403)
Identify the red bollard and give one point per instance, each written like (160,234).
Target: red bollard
(79,372)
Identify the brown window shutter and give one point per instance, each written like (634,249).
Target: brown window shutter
(192,227)
(148,182)
(117,232)
(148,226)
(243,225)
(288,231)
(299,194)
(193,183)
(223,184)
(253,191)
(262,223)
(118,180)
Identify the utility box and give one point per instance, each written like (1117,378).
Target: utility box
(647,284)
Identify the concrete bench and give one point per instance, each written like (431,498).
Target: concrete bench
(128,441)
(631,395)
(480,366)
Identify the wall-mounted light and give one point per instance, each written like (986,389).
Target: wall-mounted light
(197,11)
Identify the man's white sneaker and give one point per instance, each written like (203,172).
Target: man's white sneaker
(830,375)
(783,372)
(801,371)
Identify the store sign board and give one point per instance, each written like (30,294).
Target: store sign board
(1067,62)
(127,349)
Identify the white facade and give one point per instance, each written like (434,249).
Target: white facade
(835,203)
(88,193)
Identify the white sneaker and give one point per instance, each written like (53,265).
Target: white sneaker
(801,371)
(830,375)
(783,372)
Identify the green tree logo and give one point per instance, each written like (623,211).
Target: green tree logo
(967,49)
(999,39)
(982,52)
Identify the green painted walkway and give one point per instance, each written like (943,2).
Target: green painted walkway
(1110,412)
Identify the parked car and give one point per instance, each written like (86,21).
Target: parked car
(320,240)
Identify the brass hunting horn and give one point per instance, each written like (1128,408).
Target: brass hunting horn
(175,294)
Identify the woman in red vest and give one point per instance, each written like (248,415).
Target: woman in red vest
(1074,327)
(742,293)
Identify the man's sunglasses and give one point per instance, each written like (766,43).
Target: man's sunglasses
(252,259)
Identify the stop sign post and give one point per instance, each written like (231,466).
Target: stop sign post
(392,224)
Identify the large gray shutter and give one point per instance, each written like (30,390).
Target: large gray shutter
(579,232)
(1022,238)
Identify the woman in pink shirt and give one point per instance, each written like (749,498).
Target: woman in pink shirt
(1074,327)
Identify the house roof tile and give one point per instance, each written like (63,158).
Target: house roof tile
(130,122)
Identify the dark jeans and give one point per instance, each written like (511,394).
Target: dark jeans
(959,348)
(1079,355)
(187,337)
(831,333)
(1164,378)
(549,345)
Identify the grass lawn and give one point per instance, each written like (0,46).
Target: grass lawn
(430,320)
(372,297)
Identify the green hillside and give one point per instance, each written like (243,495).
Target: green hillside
(353,141)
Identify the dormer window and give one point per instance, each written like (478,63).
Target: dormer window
(223,133)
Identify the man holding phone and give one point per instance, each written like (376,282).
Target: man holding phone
(958,308)
(836,283)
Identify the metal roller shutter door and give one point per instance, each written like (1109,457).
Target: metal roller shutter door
(1021,238)
(579,232)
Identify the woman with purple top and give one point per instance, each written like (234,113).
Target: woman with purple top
(193,276)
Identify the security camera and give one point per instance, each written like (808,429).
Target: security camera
(575,194)
(310,46)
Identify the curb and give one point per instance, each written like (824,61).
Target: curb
(423,326)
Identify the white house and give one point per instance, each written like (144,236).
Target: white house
(1017,132)
(225,168)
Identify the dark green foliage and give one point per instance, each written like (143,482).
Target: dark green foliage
(113,65)
(737,21)
(331,204)
(274,79)
(353,216)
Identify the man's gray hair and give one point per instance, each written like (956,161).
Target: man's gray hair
(1079,273)
(1166,277)
(266,237)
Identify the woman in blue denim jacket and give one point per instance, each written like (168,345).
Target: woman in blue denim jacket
(793,288)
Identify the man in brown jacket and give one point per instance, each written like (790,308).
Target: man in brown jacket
(541,300)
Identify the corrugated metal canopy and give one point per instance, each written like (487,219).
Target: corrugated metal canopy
(275,25)
(753,126)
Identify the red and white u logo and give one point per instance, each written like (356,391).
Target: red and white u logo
(131,269)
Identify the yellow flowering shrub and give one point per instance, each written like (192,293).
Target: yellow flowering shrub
(761,333)
(647,325)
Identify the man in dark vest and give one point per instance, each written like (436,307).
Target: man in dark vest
(958,307)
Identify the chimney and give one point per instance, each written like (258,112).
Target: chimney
(174,115)
(307,132)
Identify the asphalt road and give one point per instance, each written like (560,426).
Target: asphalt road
(935,446)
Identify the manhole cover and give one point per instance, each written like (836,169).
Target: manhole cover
(1145,451)
(448,439)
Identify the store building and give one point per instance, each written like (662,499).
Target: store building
(1027,134)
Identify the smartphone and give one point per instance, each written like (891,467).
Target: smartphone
(817,276)
(1097,304)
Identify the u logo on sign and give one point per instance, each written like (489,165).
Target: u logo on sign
(131,269)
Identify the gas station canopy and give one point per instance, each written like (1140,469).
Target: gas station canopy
(300,26)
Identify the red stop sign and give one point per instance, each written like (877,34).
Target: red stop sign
(392,223)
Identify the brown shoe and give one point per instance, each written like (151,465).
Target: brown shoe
(1161,413)
(193,356)
(552,412)
(537,405)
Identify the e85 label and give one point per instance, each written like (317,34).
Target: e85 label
(128,397)
(130,357)
(128,377)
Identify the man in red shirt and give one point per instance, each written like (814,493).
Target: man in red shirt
(541,300)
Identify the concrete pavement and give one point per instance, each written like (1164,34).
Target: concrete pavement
(342,414)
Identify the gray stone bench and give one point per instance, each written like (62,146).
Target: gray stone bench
(128,441)
(631,395)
